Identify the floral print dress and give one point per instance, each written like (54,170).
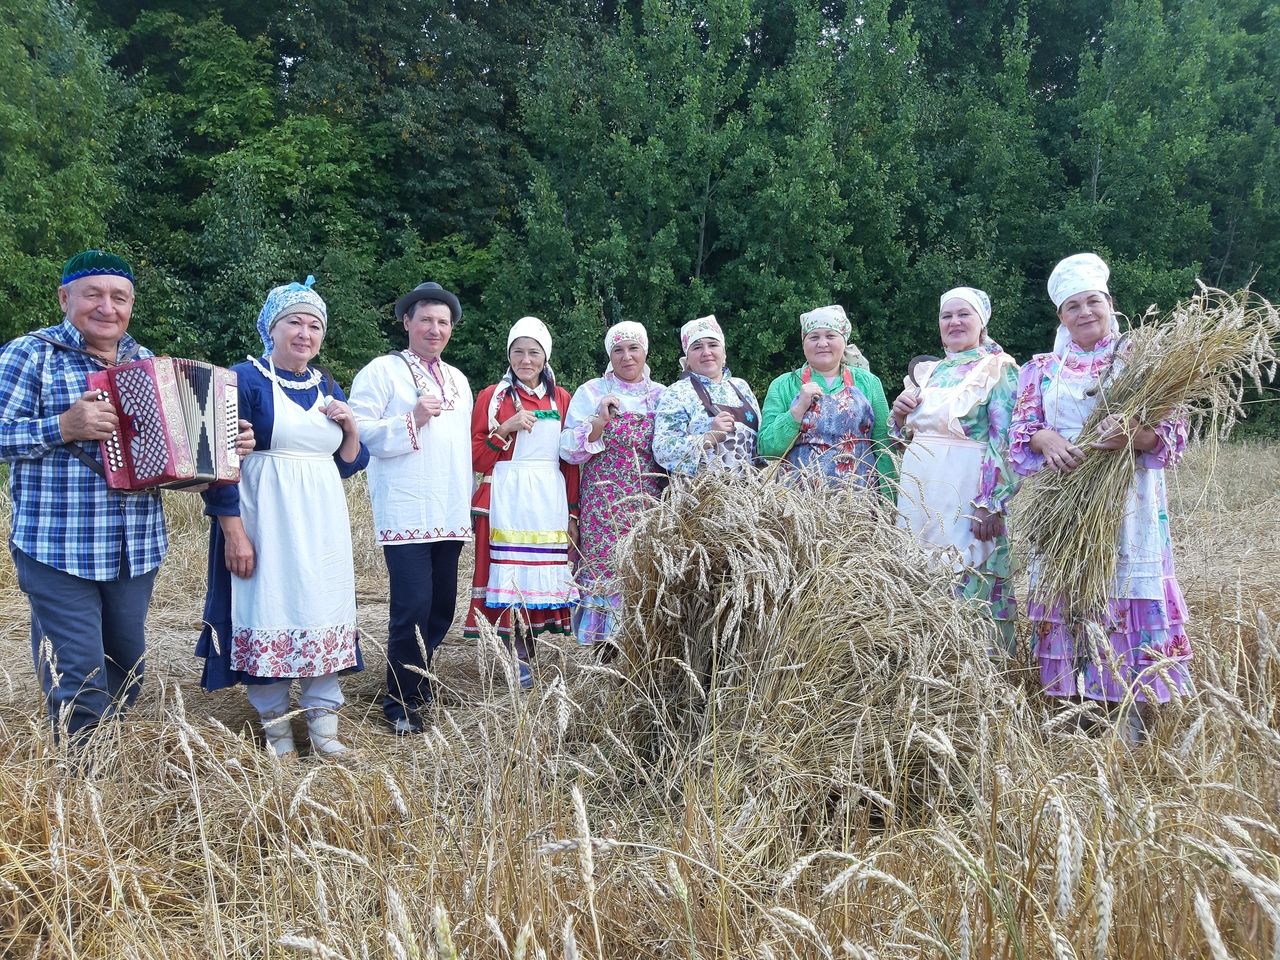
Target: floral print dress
(958,453)
(684,416)
(843,437)
(620,478)
(1146,612)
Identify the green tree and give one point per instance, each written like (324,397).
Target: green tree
(987,209)
(59,143)
(632,137)
(1139,136)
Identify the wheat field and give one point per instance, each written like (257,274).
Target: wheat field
(802,750)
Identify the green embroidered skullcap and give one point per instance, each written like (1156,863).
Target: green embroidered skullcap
(94,263)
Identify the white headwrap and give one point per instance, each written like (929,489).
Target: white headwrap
(535,330)
(628,331)
(827,318)
(703,327)
(974,297)
(1076,274)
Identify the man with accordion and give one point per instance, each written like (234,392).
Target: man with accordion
(86,554)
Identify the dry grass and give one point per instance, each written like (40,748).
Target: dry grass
(831,768)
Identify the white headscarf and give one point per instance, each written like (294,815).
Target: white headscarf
(826,318)
(628,331)
(975,298)
(703,328)
(535,330)
(1076,274)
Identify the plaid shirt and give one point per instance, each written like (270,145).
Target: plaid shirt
(63,513)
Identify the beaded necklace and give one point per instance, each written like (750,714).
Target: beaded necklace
(313,378)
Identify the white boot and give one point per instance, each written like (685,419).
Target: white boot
(279,736)
(322,725)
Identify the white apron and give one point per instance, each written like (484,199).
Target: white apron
(942,467)
(1139,568)
(296,616)
(528,525)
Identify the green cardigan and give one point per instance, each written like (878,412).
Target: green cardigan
(778,428)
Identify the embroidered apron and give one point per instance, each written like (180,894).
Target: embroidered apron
(835,436)
(613,482)
(1139,570)
(942,467)
(529,523)
(296,615)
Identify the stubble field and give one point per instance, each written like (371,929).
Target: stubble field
(807,755)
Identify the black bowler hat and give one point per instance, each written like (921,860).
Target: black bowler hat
(428,291)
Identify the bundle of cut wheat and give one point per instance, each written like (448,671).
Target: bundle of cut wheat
(1193,363)
(795,647)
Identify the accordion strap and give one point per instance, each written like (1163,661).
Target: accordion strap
(130,356)
(80,454)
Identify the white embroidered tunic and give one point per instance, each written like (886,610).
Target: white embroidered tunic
(420,478)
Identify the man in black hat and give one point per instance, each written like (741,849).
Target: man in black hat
(414,413)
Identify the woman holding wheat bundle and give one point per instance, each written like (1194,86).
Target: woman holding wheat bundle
(1146,652)
(954,414)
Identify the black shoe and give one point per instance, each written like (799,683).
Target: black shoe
(406,726)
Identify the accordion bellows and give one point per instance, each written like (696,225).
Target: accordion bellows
(178,424)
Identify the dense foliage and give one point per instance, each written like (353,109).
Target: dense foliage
(651,160)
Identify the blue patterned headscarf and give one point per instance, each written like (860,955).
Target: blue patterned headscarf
(290,298)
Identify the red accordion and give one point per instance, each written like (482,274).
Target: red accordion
(178,424)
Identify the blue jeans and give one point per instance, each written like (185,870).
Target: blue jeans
(86,641)
(423,581)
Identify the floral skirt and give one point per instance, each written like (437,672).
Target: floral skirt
(595,619)
(995,595)
(1146,652)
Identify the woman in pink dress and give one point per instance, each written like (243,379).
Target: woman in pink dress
(609,432)
(1147,653)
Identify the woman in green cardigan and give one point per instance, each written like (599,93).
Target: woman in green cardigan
(830,418)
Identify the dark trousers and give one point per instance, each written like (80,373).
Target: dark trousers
(86,641)
(424,591)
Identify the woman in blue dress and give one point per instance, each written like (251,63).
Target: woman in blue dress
(281,599)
